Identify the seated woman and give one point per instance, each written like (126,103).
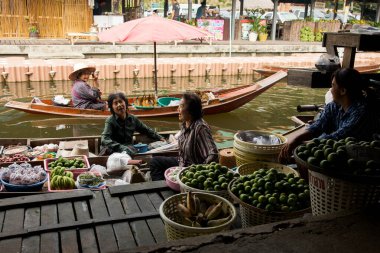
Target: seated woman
(83,95)
(118,132)
(348,115)
(196,145)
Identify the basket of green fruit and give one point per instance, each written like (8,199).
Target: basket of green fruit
(209,178)
(270,194)
(90,180)
(343,174)
(249,168)
(194,214)
(79,163)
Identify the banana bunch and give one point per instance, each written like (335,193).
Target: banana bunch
(61,179)
(197,213)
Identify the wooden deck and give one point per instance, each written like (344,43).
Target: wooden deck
(119,218)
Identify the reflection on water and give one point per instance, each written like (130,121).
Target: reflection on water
(271,111)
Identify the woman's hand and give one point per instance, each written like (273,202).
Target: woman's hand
(286,152)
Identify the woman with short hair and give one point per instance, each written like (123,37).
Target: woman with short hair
(119,128)
(195,142)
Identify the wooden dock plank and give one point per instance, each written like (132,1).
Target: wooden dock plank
(130,205)
(68,237)
(167,193)
(50,241)
(13,221)
(44,199)
(122,230)
(144,202)
(142,233)
(157,228)
(156,199)
(87,235)
(32,219)
(105,234)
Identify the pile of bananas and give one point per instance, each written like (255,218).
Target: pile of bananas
(201,213)
(61,179)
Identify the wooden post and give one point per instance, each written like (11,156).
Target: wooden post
(378,13)
(349,57)
(123,10)
(306,10)
(190,10)
(274,21)
(241,7)
(166,8)
(336,9)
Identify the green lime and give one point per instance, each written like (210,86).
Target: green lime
(217,188)
(285,208)
(244,197)
(255,202)
(272,200)
(332,158)
(291,202)
(222,180)
(269,207)
(283,199)
(194,182)
(261,182)
(234,190)
(371,164)
(256,195)
(189,175)
(268,186)
(291,180)
(324,164)
(319,154)
(201,178)
(207,184)
(262,199)
(348,139)
(302,196)
(330,143)
(247,189)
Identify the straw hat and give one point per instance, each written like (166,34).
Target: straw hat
(80,149)
(80,67)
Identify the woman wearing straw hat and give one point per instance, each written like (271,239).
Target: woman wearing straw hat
(83,95)
(118,132)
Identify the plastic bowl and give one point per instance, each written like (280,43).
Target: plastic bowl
(141,148)
(172,184)
(24,188)
(165,101)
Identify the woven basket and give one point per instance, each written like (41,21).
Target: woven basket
(249,168)
(243,158)
(175,230)
(185,188)
(252,216)
(259,149)
(331,194)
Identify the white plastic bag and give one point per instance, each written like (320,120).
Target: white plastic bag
(100,169)
(117,161)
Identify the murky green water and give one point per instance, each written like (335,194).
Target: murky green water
(271,111)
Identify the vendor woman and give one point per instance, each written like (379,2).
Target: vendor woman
(83,95)
(350,114)
(119,128)
(195,142)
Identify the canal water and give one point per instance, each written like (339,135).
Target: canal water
(271,111)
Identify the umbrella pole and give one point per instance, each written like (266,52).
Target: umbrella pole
(155,70)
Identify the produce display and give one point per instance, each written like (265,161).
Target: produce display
(201,213)
(67,163)
(61,179)
(22,174)
(272,190)
(212,177)
(90,179)
(342,155)
(14,158)
(307,34)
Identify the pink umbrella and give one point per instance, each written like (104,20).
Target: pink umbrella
(152,29)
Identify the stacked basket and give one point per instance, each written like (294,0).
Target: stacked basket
(246,152)
(251,215)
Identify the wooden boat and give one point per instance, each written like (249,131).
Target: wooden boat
(270,70)
(226,101)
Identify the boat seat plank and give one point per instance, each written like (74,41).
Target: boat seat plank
(122,230)
(105,234)
(167,193)
(32,219)
(44,199)
(69,242)
(2,214)
(138,187)
(50,241)
(156,199)
(130,205)
(87,235)
(13,221)
(143,235)
(144,202)
(157,228)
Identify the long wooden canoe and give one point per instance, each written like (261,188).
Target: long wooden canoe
(226,101)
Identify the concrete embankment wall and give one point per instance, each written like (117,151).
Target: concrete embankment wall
(19,69)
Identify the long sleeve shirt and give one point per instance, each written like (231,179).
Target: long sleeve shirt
(196,145)
(118,134)
(85,97)
(335,123)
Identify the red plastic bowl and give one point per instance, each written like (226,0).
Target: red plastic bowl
(172,184)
